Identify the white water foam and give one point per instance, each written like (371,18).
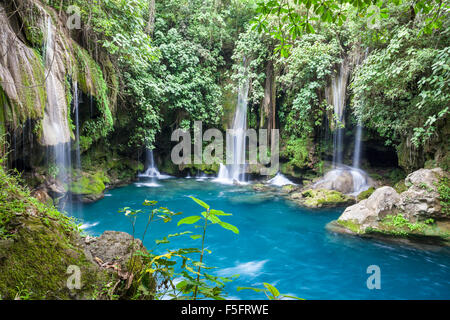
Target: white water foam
(280,180)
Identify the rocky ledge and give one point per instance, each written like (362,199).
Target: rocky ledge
(419,214)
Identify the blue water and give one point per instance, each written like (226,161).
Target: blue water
(279,243)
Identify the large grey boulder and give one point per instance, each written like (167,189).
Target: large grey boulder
(421,200)
(368,212)
(339,180)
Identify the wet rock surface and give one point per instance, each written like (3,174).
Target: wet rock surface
(416,212)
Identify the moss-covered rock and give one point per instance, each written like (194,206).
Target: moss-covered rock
(400,186)
(89,187)
(319,198)
(38,244)
(365,194)
(288,188)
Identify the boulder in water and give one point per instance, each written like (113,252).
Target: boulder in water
(410,214)
(320,198)
(344,179)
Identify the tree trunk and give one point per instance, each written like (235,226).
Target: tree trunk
(151,18)
(268,112)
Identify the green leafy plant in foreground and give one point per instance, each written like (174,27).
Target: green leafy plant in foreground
(155,274)
(270,291)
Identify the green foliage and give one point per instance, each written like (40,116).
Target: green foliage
(443,189)
(399,225)
(156,277)
(271,292)
(401,89)
(297,150)
(294,19)
(365,194)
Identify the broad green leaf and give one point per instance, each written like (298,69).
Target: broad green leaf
(189,220)
(200,202)
(271,289)
(228,226)
(219,213)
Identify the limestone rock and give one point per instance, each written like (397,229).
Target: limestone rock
(383,201)
(421,200)
(367,213)
(113,247)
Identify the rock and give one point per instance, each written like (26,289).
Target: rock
(289,188)
(88,187)
(409,214)
(260,187)
(383,201)
(318,198)
(113,247)
(360,215)
(367,213)
(424,176)
(42,195)
(56,189)
(421,200)
(344,179)
(339,180)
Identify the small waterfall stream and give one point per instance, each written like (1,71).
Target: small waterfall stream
(235,172)
(55,123)
(336,97)
(357,151)
(77,124)
(342,177)
(151,173)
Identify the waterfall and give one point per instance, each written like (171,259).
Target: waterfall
(357,151)
(77,124)
(336,97)
(280,180)
(235,172)
(56,135)
(346,179)
(151,171)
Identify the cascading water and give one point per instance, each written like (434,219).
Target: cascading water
(357,152)
(343,178)
(151,171)
(55,123)
(235,172)
(336,97)
(77,124)
(280,180)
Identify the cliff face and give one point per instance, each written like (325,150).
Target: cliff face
(39,66)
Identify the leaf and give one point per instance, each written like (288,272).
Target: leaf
(196,236)
(200,202)
(271,289)
(228,226)
(291,297)
(189,220)
(219,213)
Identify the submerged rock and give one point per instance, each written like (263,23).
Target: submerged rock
(88,187)
(319,198)
(415,213)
